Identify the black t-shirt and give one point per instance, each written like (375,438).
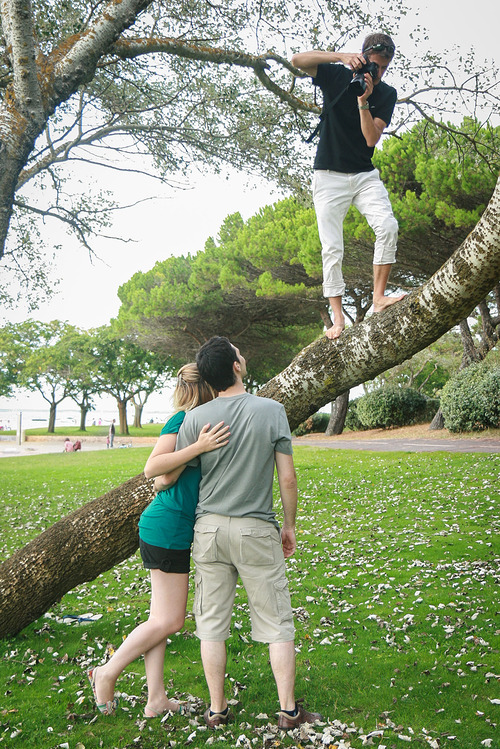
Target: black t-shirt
(342,146)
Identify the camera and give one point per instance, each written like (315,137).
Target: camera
(358,84)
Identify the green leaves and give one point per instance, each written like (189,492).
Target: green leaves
(240,286)
(471,399)
(439,181)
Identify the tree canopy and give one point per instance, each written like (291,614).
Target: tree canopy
(59,361)
(259,280)
(40,358)
(183,301)
(152,86)
(124,370)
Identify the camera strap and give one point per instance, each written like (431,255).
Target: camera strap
(323,114)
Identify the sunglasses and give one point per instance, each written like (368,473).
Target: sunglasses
(389,48)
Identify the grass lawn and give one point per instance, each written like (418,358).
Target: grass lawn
(394,586)
(147,430)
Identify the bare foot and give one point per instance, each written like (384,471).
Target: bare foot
(156,709)
(335,330)
(104,689)
(386,301)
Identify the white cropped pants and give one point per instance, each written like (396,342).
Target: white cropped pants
(333,194)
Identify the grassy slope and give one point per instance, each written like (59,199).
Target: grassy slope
(393,585)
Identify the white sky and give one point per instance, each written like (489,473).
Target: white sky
(181,221)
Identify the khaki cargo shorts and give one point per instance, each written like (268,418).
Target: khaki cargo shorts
(225,547)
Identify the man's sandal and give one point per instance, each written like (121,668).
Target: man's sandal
(105,708)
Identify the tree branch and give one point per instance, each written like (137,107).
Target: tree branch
(17,23)
(131,48)
(75,63)
(455,133)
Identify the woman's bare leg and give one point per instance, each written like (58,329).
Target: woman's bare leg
(168,600)
(167,613)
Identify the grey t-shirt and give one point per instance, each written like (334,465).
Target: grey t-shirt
(237,480)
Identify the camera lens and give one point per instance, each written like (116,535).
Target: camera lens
(358,84)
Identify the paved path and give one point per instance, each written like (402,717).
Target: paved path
(412,445)
(9,448)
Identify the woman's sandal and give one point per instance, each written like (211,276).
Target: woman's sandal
(106,708)
(184,709)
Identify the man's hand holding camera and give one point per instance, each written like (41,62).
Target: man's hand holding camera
(353,60)
(363,100)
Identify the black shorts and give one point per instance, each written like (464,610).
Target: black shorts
(166,560)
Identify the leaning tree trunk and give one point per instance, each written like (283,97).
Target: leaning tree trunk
(339,412)
(104,532)
(74,550)
(40,83)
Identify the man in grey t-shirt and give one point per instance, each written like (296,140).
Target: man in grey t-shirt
(236,532)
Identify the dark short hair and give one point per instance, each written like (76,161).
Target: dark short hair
(373,40)
(215,361)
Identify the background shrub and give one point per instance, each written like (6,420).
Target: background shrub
(318,422)
(470,401)
(391,407)
(431,409)
(352,420)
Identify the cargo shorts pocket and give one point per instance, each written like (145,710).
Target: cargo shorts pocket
(283,602)
(260,546)
(205,543)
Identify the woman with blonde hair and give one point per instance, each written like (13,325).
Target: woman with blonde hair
(165,536)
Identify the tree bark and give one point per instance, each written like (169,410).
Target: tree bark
(139,402)
(471,354)
(438,421)
(104,532)
(83,418)
(489,335)
(138,414)
(85,405)
(74,550)
(339,412)
(52,418)
(122,413)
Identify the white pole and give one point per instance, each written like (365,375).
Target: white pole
(19,433)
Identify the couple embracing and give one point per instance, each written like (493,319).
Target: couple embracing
(221,476)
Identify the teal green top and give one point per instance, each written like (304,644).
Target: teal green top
(169,520)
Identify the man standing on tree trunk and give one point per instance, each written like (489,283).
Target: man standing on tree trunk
(356,110)
(236,531)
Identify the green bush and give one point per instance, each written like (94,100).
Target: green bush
(352,420)
(470,401)
(318,422)
(431,409)
(391,407)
